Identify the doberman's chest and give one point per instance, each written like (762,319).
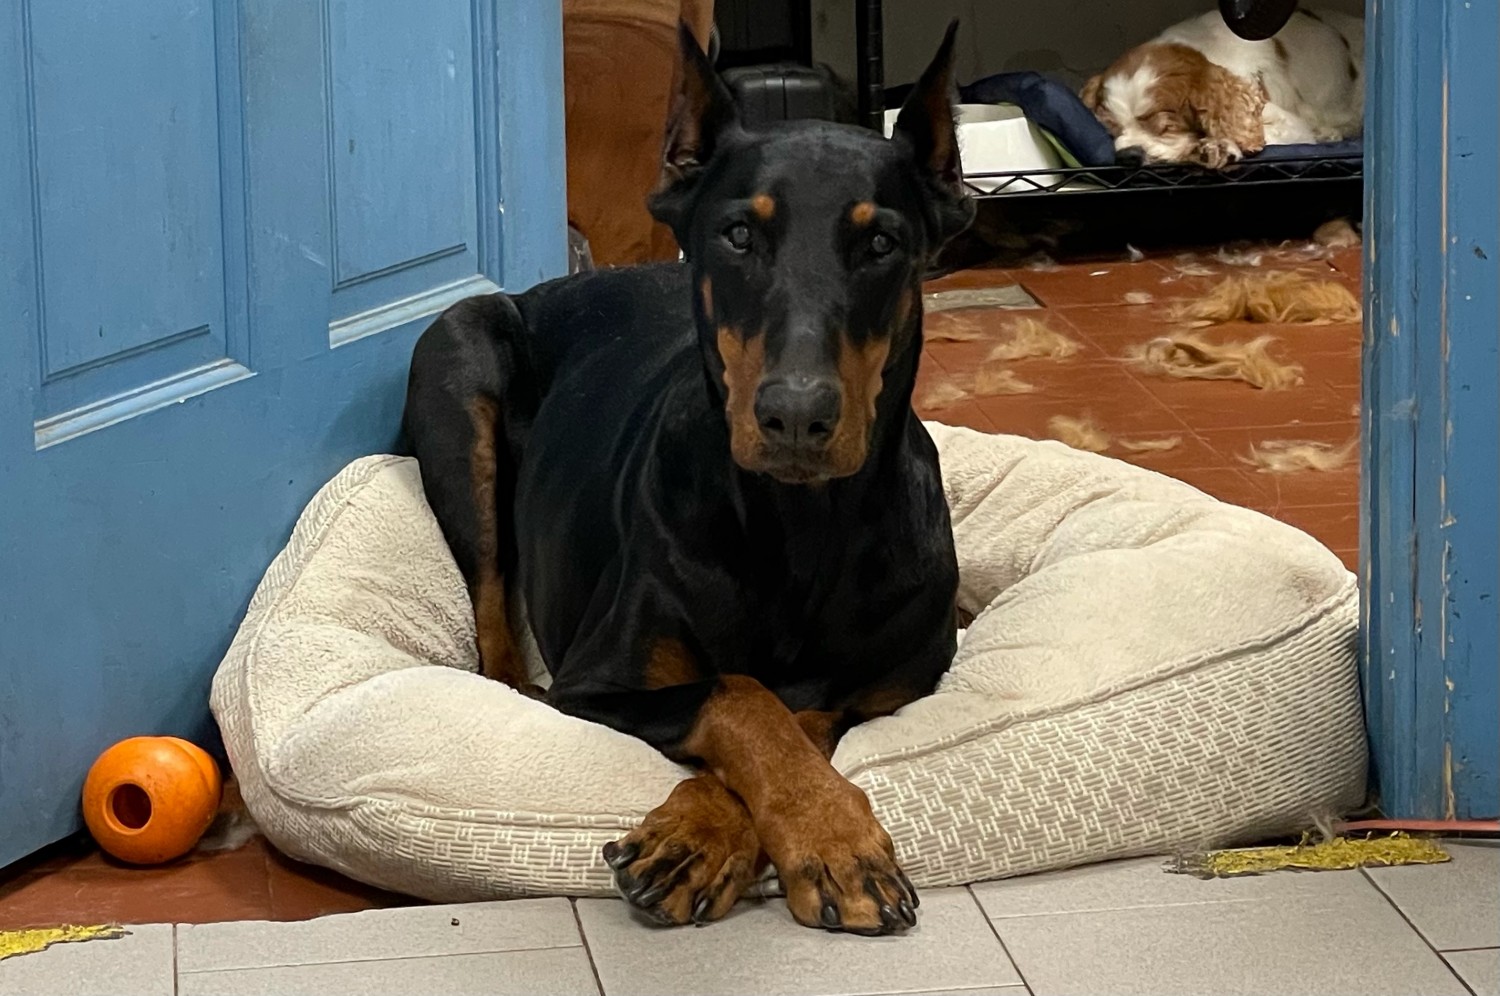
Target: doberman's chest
(635,530)
(625,545)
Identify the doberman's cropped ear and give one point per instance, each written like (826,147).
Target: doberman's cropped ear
(702,115)
(926,123)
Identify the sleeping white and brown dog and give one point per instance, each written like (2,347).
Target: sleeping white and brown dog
(1198,93)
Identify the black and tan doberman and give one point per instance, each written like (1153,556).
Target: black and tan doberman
(707,483)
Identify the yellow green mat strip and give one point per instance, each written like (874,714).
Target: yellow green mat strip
(1337,854)
(20,942)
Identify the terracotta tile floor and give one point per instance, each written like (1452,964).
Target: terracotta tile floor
(1217,421)
(74,883)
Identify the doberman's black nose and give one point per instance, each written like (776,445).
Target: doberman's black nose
(1131,155)
(800,412)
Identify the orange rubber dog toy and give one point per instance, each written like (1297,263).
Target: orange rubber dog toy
(148,799)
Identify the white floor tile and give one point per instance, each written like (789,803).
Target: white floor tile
(138,964)
(411,931)
(761,949)
(1480,969)
(548,972)
(1329,935)
(1454,905)
(1119,885)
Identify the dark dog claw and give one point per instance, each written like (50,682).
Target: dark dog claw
(911,890)
(889,918)
(830,915)
(618,857)
(650,897)
(700,911)
(908,913)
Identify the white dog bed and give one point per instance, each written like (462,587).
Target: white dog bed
(1149,670)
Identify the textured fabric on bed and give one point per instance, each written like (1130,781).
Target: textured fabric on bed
(1148,669)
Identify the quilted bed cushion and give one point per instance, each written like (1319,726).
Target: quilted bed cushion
(1149,669)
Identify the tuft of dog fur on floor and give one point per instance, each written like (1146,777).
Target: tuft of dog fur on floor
(1192,357)
(1336,234)
(944,395)
(1283,297)
(1240,254)
(1158,445)
(1083,434)
(229,831)
(1079,433)
(1189,265)
(952,326)
(1029,338)
(990,380)
(993,378)
(1290,456)
(233,827)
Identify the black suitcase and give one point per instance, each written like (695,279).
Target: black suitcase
(785,91)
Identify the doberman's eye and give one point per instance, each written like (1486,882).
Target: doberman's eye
(882,244)
(738,236)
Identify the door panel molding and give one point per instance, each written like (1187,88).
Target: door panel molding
(409,309)
(403,202)
(136,225)
(147,398)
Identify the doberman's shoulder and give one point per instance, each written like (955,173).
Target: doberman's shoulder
(649,303)
(642,281)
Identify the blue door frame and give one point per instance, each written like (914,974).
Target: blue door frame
(1430,523)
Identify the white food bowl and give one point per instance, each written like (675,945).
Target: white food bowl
(997,138)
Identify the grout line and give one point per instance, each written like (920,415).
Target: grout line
(1407,920)
(992,426)
(1040,301)
(176,981)
(1000,940)
(930,359)
(423,956)
(1346,506)
(588,951)
(960,991)
(1482,947)
(268,870)
(1167,905)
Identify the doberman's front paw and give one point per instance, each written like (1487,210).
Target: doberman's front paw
(838,867)
(691,857)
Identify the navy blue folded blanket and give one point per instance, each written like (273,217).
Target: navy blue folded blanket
(1052,105)
(1048,104)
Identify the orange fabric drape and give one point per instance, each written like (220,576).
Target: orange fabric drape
(618,63)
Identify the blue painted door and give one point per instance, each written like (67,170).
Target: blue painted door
(1430,538)
(222,224)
